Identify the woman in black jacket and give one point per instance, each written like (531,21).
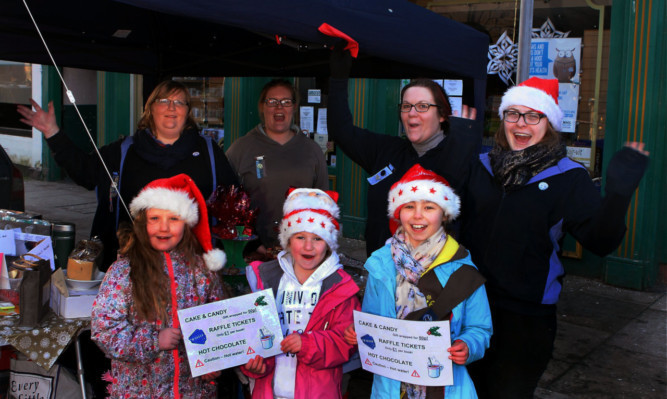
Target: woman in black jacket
(521,199)
(166,143)
(434,139)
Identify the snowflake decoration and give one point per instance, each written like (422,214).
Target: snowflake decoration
(503,58)
(63,338)
(25,342)
(44,342)
(548,30)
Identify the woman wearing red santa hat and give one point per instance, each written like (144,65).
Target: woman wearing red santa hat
(522,197)
(166,263)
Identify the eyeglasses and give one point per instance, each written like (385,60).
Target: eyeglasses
(419,107)
(531,118)
(166,103)
(273,102)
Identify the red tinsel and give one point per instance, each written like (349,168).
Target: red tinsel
(230,206)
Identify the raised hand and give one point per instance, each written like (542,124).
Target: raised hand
(41,120)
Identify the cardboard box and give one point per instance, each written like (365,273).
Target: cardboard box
(81,269)
(77,304)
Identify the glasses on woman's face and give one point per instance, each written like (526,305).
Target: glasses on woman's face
(166,103)
(419,107)
(274,102)
(531,118)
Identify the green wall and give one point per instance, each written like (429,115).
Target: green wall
(637,92)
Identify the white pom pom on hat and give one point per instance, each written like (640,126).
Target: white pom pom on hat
(179,194)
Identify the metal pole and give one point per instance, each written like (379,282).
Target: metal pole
(596,96)
(525,30)
(79,365)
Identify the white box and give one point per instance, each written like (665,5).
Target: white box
(78,304)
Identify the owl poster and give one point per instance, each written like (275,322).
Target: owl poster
(559,58)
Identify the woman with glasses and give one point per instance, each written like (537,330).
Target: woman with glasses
(274,156)
(522,197)
(435,140)
(167,143)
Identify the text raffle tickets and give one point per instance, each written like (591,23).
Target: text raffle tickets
(228,333)
(408,351)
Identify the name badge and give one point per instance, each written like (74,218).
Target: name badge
(259,166)
(381,175)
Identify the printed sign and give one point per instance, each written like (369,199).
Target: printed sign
(580,154)
(410,351)
(559,58)
(307,119)
(29,385)
(7,244)
(228,333)
(314,96)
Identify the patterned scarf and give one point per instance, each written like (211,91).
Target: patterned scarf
(513,169)
(410,264)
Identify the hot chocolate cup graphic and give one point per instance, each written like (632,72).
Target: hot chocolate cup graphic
(266,337)
(434,367)
(434,370)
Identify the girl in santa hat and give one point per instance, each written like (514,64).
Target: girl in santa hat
(522,197)
(315,300)
(166,263)
(423,274)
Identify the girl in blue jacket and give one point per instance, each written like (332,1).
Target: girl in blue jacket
(422,273)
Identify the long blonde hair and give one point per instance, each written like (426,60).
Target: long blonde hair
(150,284)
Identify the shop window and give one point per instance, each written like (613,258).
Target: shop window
(15,88)
(207,104)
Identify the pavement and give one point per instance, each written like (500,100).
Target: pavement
(611,342)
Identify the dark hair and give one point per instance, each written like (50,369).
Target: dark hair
(551,137)
(164,90)
(150,288)
(439,96)
(276,83)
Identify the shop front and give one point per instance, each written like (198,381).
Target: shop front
(610,62)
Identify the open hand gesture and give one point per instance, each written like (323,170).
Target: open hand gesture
(41,120)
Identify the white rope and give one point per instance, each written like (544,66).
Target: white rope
(71,98)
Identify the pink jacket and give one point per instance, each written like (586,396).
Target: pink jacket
(323,351)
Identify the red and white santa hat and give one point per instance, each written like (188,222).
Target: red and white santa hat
(311,210)
(538,94)
(179,194)
(419,184)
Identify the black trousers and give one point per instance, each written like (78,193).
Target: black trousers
(521,347)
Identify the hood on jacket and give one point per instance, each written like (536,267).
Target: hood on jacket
(325,269)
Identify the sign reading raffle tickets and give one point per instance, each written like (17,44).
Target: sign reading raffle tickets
(228,333)
(410,351)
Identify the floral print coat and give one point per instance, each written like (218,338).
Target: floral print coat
(138,368)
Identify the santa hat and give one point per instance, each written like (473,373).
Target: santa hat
(538,94)
(180,195)
(419,184)
(313,211)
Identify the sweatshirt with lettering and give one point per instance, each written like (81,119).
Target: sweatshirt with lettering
(319,309)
